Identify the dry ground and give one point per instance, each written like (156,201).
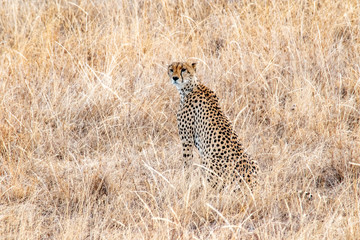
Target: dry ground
(88,137)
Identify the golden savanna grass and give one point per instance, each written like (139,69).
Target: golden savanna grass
(88,135)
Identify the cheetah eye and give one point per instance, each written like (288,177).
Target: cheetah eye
(171,70)
(183,70)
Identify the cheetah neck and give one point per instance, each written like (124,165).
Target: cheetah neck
(188,88)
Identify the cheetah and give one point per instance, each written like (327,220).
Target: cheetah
(201,123)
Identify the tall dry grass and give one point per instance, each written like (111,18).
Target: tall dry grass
(89,146)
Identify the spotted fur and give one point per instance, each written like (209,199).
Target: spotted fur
(203,124)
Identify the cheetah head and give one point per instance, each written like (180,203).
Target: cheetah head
(182,74)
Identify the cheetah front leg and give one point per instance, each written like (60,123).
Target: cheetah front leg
(187,143)
(187,151)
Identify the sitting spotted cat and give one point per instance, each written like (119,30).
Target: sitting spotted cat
(203,124)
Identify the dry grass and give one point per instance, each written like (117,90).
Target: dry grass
(89,146)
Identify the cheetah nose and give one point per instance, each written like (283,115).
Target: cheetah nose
(175,78)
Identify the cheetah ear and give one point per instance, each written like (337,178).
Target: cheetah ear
(194,66)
